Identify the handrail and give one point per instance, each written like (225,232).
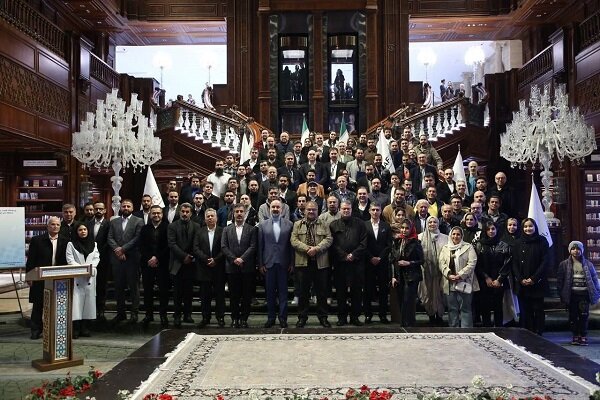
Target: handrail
(589,31)
(207,113)
(103,72)
(251,124)
(387,121)
(536,67)
(30,21)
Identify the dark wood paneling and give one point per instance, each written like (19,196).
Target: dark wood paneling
(313,5)
(52,132)
(53,69)
(18,121)
(15,48)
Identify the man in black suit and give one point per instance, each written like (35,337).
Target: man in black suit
(188,192)
(291,171)
(239,244)
(417,173)
(171,210)
(46,249)
(182,263)
(210,200)
(287,195)
(379,242)
(211,269)
(447,187)
(123,240)
(321,176)
(171,186)
(154,250)
(99,227)
(253,161)
(68,226)
(334,168)
(421,215)
(144,213)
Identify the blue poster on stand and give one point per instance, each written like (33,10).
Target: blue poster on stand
(12,237)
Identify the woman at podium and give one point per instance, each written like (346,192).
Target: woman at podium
(83,250)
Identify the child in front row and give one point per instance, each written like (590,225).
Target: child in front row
(578,287)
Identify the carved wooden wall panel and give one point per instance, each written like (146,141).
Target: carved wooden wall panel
(394,45)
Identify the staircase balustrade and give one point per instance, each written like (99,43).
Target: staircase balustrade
(209,127)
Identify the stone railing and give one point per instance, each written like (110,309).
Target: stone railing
(209,127)
(103,72)
(589,31)
(437,121)
(535,67)
(31,22)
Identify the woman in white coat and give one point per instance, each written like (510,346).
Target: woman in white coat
(430,288)
(457,263)
(83,250)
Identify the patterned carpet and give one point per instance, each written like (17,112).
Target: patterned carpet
(280,366)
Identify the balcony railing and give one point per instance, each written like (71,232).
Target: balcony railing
(31,22)
(103,72)
(536,67)
(589,31)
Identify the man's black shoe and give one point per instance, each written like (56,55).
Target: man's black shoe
(188,319)
(324,322)
(368,320)
(356,322)
(177,321)
(269,323)
(118,318)
(35,334)
(244,324)
(147,319)
(235,323)
(283,323)
(384,320)
(342,322)
(220,322)
(164,321)
(301,323)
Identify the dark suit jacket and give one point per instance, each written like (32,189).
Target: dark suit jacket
(322,176)
(181,244)
(417,222)
(203,251)
(381,246)
(212,202)
(166,213)
(271,251)
(40,255)
(255,169)
(153,243)
(101,238)
(128,240)
(327,168)
(443,192)
(70,232)
(295,176)
(244,249)
(416,178)
(140,214)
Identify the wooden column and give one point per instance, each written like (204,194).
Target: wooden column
(264,92)
(318,108)
(394,67)
(373,61)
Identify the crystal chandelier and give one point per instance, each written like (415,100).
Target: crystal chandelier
(117,136)
(545,130)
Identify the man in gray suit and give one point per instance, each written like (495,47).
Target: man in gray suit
(275,261)
(123,236)
(238,243)
(182,264)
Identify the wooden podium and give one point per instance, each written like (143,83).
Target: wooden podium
(57,315)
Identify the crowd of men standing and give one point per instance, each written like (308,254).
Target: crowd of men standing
(321,213)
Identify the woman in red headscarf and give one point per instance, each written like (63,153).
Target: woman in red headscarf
(406,258)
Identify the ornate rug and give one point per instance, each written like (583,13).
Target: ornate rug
(279,366)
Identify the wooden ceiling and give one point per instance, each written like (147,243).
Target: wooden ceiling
(176,22)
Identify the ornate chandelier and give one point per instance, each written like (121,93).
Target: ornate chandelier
(117,136)
(545,130)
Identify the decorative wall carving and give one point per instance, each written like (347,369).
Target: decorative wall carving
(25,89)
(588,95)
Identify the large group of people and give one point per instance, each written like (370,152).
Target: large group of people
(323,214)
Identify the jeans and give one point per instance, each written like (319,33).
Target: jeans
(579,312)
(460,314)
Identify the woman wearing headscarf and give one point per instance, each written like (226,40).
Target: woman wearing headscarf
(430,288)
(470,227)
(511,232)
(457,264)
(406,258)
(492,269)
(530,264)
(578,287)
(83,250)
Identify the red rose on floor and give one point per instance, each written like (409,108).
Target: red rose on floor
(67,391)
(350,393)
(364,389)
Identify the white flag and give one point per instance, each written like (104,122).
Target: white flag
(151,188)
(245,150)
(459,169)
(344,136)
(305,130)
(537,213)
(384,149)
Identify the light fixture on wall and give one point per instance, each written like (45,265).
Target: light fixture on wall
(117,136)
(428,58)
(544,130)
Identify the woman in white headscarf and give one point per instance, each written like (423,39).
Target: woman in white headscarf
(430,288)
(457,264)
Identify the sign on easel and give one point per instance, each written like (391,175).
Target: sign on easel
(12,237)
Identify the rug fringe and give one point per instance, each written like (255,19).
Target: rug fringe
(139,392)
(569,374)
